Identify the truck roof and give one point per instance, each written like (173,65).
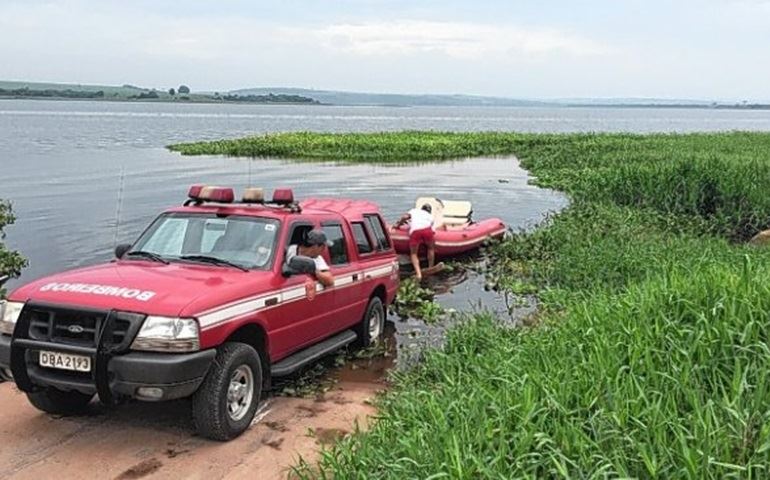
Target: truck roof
(348,208)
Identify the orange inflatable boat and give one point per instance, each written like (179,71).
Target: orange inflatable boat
(456,231)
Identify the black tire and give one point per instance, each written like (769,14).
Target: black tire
(366,338)
(59,402)
(210,405)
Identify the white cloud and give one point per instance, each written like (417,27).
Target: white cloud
(712,51)
(457,39)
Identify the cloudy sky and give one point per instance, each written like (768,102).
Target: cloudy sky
(712,49)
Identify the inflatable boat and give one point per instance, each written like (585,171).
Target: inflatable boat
(456,231)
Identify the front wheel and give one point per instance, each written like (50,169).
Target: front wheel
(58,402)
(372,326)
(225,404)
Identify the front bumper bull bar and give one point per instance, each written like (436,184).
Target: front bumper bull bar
(115,370)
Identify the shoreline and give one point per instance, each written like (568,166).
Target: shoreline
(149,100)
(757,107)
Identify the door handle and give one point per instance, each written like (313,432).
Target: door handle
(271,301)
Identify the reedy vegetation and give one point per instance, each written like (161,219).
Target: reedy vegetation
(651,356)
(386,147)
(11,262)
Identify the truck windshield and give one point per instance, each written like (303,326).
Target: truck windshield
(247,242)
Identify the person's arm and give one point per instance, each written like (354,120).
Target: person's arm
(322,273)
(404,218)
(325,277)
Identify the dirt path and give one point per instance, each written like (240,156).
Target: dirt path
(142,440)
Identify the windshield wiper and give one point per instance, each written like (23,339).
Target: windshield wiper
(214,260)
(148,255)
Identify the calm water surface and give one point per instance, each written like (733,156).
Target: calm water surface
(63,164)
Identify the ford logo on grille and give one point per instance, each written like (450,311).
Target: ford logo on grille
(75,329)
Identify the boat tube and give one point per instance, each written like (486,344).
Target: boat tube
(456,232)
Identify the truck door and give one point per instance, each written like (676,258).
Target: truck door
(301,316)
(347,276)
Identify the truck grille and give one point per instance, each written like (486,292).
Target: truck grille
(80,327)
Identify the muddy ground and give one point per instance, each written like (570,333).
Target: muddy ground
(141,440)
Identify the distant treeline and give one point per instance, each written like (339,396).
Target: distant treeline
(269,98)
(746,106)
(26,92)
(145,95)
(718,106)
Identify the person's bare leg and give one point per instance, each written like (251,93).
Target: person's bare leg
(415,262)
(431,254)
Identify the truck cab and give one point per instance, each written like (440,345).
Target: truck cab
(203,304)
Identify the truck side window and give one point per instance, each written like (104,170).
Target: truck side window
(362,239)
(375,223)
(298,232)
(338,253)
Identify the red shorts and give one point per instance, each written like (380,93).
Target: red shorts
(424,235)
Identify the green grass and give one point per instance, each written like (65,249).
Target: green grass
(714,178)
(650,357)
(395,147)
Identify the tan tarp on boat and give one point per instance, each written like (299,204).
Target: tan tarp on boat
(449,213)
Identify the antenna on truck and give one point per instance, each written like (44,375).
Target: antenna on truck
(120,204)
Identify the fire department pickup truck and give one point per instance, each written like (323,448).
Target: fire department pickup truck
(203,304)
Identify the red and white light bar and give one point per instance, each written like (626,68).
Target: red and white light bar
(203,193)
(206,193)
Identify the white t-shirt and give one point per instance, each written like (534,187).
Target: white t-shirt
(320,263)
(419,219)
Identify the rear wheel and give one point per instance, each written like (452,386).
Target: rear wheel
(225,403)
(59,402)
(372,326)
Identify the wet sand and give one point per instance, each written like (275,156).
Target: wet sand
(141,440)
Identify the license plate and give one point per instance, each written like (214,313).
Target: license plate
(65,361)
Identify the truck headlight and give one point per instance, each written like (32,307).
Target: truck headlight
(9,314)
(164,334)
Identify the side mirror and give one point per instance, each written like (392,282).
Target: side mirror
(121,249)
(3,279)
(298,264)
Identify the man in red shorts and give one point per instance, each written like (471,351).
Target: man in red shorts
(420,231)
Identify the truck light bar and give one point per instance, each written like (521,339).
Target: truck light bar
(283,196)
(217,194)
(195,192)
(202,193)
(254,195)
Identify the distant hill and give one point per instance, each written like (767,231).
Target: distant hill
(632,101)
(334,97)
(306,96)
(69,91)
(109,91)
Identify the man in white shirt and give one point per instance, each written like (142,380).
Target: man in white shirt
(420,232)
(312,246)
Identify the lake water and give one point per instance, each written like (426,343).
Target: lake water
(63,163)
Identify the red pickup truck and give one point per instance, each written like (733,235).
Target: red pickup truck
(203,304)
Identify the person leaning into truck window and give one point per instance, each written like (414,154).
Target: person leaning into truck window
(420,231)
(313,244)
